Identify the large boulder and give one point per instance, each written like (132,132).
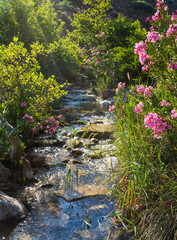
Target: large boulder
(11,210)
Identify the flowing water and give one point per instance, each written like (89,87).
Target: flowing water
(69,199)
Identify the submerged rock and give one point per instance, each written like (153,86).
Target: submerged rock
(11,210)
(99,131)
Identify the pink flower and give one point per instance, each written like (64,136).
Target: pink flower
(154,122)
(174,114)
(85,67)
(120,85)
(169,127)
(165,103)
(145,68)
(153,36)
(23,104)
(174,16)
(171,30)
(140,89)
(111,108)
(138,108)
(102,34)
(173,66)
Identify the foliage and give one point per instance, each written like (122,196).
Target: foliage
(23,88)
(142,6)
(146,119)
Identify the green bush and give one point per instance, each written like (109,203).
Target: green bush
(24,90)
(142,6)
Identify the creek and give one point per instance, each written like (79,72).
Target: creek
(70,198)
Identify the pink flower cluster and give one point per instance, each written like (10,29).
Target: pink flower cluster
(174,114)
(154,122)
(52,125)
(173,66)
(140,50)
(147,91)
(37,127)
(138,108)
(120,85)
(111,108)
(28,118)
(153,36)
(165,103)
(172,30)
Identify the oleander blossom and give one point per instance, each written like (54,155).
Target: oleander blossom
(172,30)
(138,108)
(146,91)
(174,16)
(23,104)
(174,114)
(28,118)
(37,127)
(172,66)
(111,108)
(140,50)
(153,36)
(165,103)
(120,85)
(52,126)
(154,122)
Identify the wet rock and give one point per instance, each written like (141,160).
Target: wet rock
(26,169)
(105,104)
(47,142)
(36,160)
(107,93)
(11,210)
(5,173)
(99,131)
(97,112)
(76,152)
(61,118)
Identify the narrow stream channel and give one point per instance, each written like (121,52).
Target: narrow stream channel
(70,199)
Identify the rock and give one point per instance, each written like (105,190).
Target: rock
(107,93)
(11,210)
(36,160)
(99,131)
(61,118)
(5,173)
(47,142)
(97,112)
(26,169)
(105,104)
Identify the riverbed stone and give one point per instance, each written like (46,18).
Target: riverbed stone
(107,93)
(11,210)
(99,131)
(5,173)
(36,160)
(26,169)
(97,112)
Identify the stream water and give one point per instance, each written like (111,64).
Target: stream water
(69,199)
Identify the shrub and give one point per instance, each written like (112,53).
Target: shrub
(142,6)
(146,119)
(23,88)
